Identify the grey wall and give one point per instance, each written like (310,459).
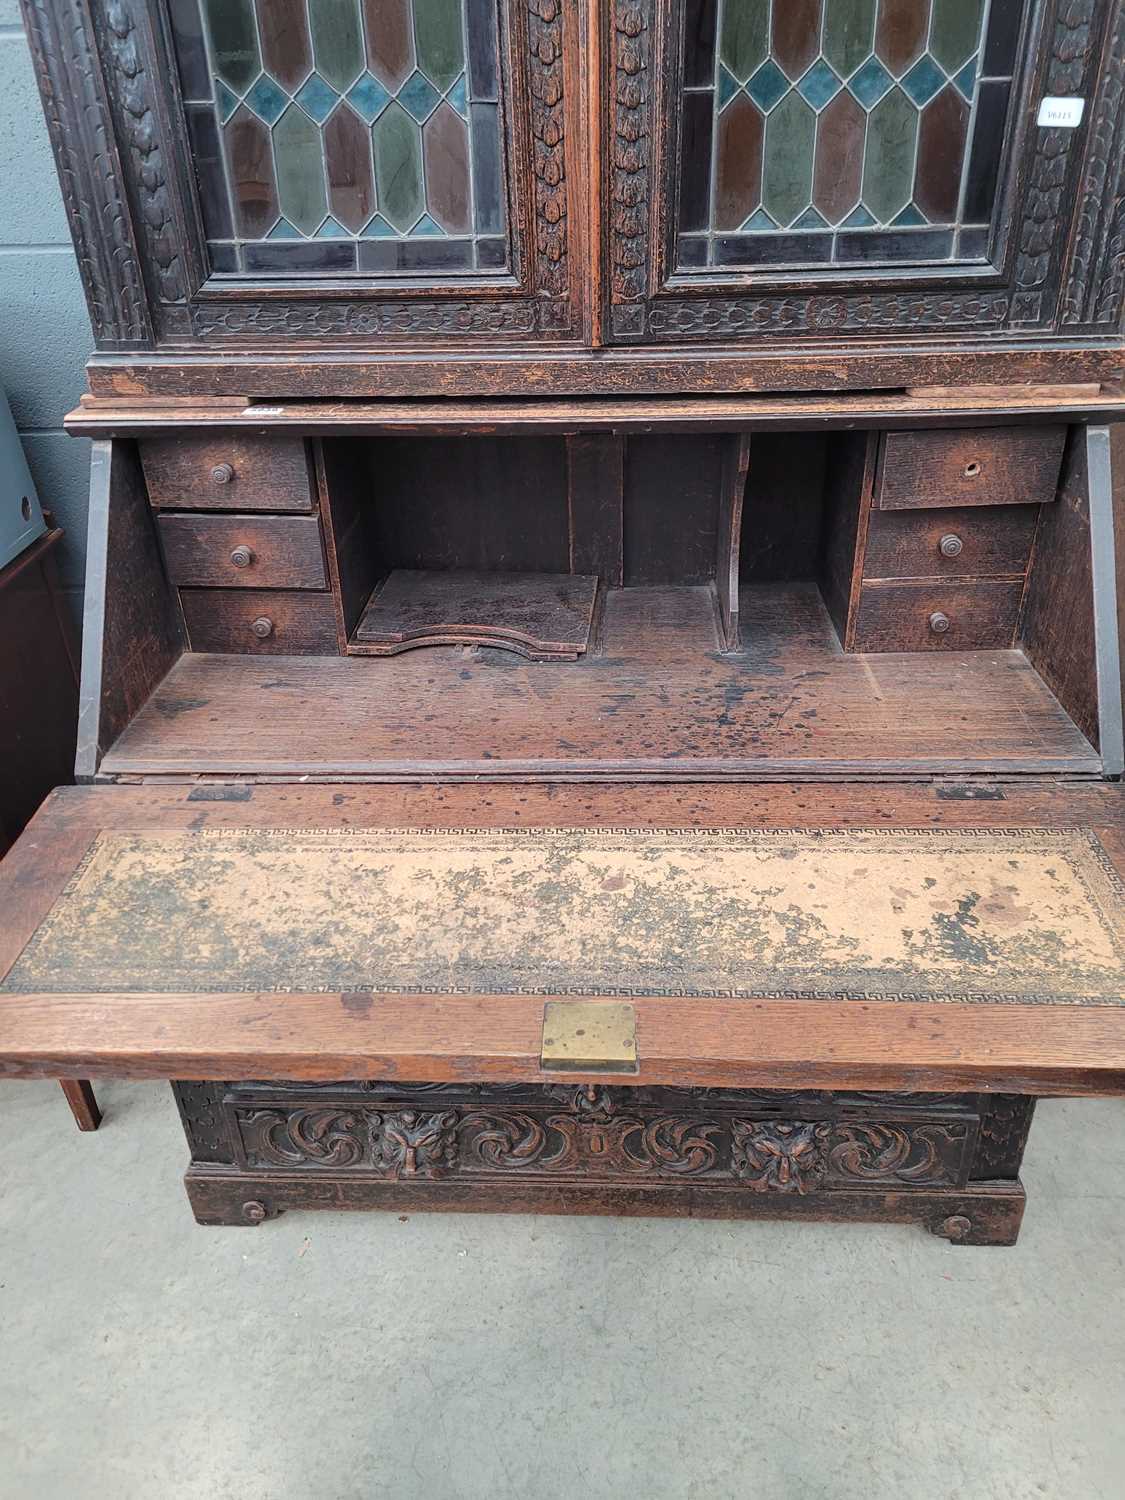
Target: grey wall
(45,335)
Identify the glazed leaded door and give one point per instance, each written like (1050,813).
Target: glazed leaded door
(800,167)
(318,169)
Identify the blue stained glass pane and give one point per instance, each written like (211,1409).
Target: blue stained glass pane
(418,96)
(909,217)
(728,86)
(966,79)
(819,85)
(283,230)
(871,82)
(266,99)
(378,229)
(457,97)
(317,99)
(426,226)
(810,219)
(923,80)
(760,220)
(367,96)
(330,230)
(227,101)
(859,218)
(767,86)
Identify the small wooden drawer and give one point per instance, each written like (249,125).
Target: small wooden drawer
(937,616)
(246,552)
(970,542)
(227,472)
(279,624)
(969,466)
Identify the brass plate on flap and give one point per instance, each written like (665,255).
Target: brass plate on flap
(581,1037)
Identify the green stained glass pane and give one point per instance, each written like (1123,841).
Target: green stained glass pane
(300,169)
(234,41)
(849,32)
(438,42)
(744,39)
(398,167)
(888,165)
(955,32)
(337,40)
(788,163)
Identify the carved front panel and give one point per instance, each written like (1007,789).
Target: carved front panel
(766,1143)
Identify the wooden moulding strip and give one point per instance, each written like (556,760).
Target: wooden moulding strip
(99,417)
(787,1044)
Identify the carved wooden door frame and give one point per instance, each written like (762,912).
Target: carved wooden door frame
(108,81)
(1060,261)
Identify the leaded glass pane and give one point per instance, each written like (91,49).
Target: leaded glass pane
(345,135)
(836,132)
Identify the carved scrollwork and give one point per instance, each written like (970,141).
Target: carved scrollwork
(548,123)
(632,132)
(880,1153)
(1043,209)
(140,130)
(1095,285)
(607,1134)
(361,318)
(295,1138)
(733,317)
(778,1156)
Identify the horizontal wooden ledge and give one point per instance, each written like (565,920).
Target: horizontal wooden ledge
(786,1044)
(120,417)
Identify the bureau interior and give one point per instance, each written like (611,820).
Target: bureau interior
(586,606)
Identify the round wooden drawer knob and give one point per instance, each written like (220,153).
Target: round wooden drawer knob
(939,623)
(262,627)
(242,557)
(951,545)
(222,474)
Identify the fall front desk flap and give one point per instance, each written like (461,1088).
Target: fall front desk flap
(1018,916)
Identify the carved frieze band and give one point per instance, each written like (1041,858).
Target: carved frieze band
(633,22)
(600,1136)
(79,123)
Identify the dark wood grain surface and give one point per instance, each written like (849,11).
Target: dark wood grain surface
(978,616)
(657,699)
(995,541)
(543,616)
(285,552)
(185,471)
(1006,466)
(224,619)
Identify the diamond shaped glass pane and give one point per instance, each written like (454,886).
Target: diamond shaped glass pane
(768,85)
(819,85)
(924,80)
(368,97)
(266,100)
(419,96)
(317,98)
(871,82)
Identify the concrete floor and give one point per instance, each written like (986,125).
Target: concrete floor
(325,1357)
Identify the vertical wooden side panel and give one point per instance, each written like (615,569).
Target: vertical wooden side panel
(1057,631)
(132,631)
(848,487)
(344,487)
(736,466)
(595,485)
(1107,658)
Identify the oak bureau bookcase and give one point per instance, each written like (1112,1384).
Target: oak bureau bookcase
(602,662)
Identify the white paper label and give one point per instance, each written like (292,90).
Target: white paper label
(1060,114)
(263,411)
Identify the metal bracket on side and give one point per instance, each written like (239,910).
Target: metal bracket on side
(580,1036)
